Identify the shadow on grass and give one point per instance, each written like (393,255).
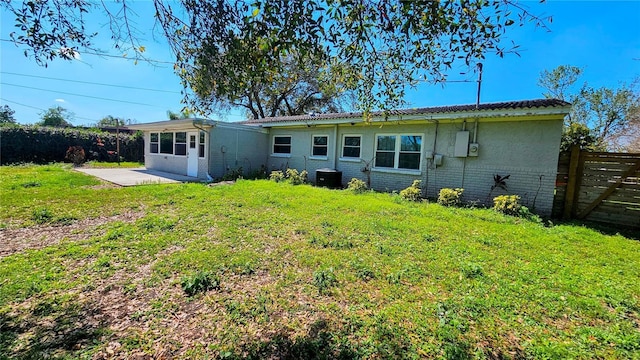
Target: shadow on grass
(50,329)
(628,232)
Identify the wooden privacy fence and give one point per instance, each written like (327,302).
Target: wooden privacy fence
(598,186)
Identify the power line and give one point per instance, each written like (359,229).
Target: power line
(89,82)
(87,96)
(84,52)
(41,109)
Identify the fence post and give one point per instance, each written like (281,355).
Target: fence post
(569,199)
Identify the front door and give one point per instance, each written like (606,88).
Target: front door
(192,155)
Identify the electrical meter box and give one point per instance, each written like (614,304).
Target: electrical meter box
(462,144)
(473,149)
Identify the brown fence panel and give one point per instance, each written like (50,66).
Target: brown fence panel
(602,187)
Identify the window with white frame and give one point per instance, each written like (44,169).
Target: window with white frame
(154,143)
(351,146)
(166,143)
(201,144)
(181,143)
(282,145)
(320,145)
(398,151)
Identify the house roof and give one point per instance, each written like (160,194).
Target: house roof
(503,108)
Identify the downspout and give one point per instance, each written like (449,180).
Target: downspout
(237,140)
(464,160)
(433,154)
(335,147)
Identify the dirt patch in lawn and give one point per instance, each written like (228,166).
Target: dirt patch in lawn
(38,237)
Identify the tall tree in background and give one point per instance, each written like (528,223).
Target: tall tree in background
(373,48)
(601,118)
(113,121)
(184,114)
(299,87)
(6,115)
(56,116)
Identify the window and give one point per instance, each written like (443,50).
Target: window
(181,143)
(320,145)
(166,143)
(282,144)
(153,144)
(201,145)
(398,151)
(351,146)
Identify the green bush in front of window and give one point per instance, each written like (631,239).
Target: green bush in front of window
(413,192)
(290,175)
(357,186)
(450,197)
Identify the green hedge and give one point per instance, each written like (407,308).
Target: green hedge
(41,144)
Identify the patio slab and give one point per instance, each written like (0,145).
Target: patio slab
(137,176)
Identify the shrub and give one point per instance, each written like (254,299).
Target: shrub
(296,178)
(75,154)
(507,204)
(357,186)
(276,176)
(232,175)
(200,282)
(413,192)
(449,197)
(41,144)
(291,175)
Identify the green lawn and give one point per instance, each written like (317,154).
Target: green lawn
(91,270)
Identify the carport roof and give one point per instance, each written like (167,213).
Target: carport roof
(181,124)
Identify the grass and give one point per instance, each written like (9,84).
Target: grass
(108,165)
(275,270)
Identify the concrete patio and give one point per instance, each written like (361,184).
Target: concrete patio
(137,176)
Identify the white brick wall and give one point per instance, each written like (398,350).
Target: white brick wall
(527,150)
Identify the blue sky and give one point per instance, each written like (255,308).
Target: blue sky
(603,37)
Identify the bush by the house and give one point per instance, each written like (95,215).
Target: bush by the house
(292,176)
(357,186)
(507,204)
(296,178)
(41,144)
(75,154)
(510,205)
(413,192)
(450,197)
(277,176)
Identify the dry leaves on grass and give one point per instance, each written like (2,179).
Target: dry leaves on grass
(37,237)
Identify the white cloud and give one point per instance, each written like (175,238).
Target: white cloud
(60,100)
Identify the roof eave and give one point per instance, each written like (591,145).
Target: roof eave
(455,115)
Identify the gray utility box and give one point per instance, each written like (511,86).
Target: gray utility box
(330,178)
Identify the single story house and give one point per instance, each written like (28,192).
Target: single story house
(461,146)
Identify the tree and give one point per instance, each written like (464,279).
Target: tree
(184,114)
(559,81)
(600,118)
(6,115)
(300,88)
(374,48)
(111,121)
(56,116)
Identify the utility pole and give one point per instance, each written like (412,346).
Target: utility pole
(479,85)
(118,140)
